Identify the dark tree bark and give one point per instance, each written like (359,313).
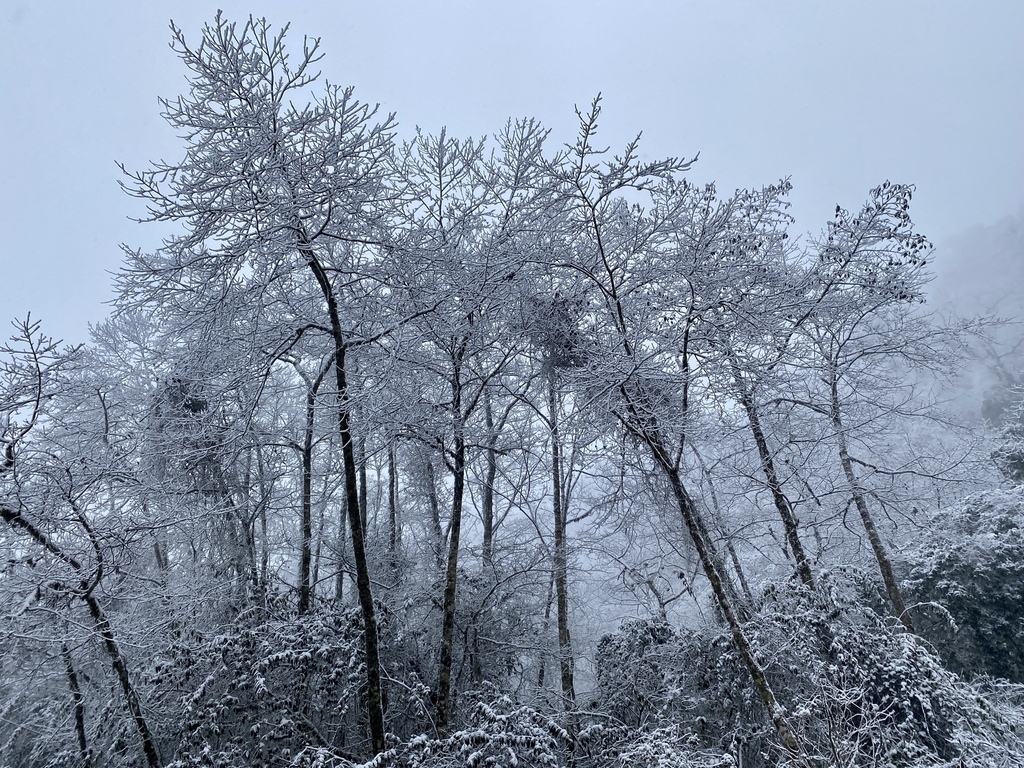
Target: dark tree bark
(549,600)
(892,588)
(79,702)
(394,529)
(341,545)
(306,555)
(363,496)
(458,467)
(782,505)
(306,582)
(435,513)
(491,473)
(374,691)
(566,661)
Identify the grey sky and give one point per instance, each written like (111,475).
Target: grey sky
(837,96)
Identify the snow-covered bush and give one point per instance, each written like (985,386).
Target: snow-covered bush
(859,690)
(497,733)
(967,577)
(269,688)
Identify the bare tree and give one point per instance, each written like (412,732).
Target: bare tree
(640,369)
(272,195)
(32,377)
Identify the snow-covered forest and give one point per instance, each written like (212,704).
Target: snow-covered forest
(444,452)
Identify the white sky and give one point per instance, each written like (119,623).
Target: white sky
(839,96)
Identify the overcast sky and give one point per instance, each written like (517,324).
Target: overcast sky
(838,96)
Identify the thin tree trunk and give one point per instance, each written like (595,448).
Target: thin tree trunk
(724,593)
(435,512)
(264,538)
(452,571)
(394,532)
(739,570)
(545,626)
(339,574)
(315,576)
(776,712)
(79,701)
(726,537)
(101,623)
(363,502)
(374,691)
(782,505)
(488,489)
(106,631)
(306,556)
(857,492)
(565,656)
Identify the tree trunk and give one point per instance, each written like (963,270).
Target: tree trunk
(363,503)
(488,489)
(565,656)
(724,594)
(306,555)
(339,575)
(315,577)
(374,692)
(782,505)
(106,631)
(435,513)
(857,492)
(736,566)
(444,678)
(544,629)
(394,532)
(79,701)
(102,625)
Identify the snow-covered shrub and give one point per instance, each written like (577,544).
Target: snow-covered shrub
(635,667)
(858,689)
(652,677)
(273,687)
(497,733)
(1003,409)
(967,577)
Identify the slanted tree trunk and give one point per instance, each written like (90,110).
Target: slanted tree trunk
(374,691)
(79,701)
(783,507)
(106,631)
(724,592)
(102,625)
(892,588)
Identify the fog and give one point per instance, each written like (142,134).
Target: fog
(836,97)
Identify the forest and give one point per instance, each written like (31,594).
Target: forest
(437,452)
